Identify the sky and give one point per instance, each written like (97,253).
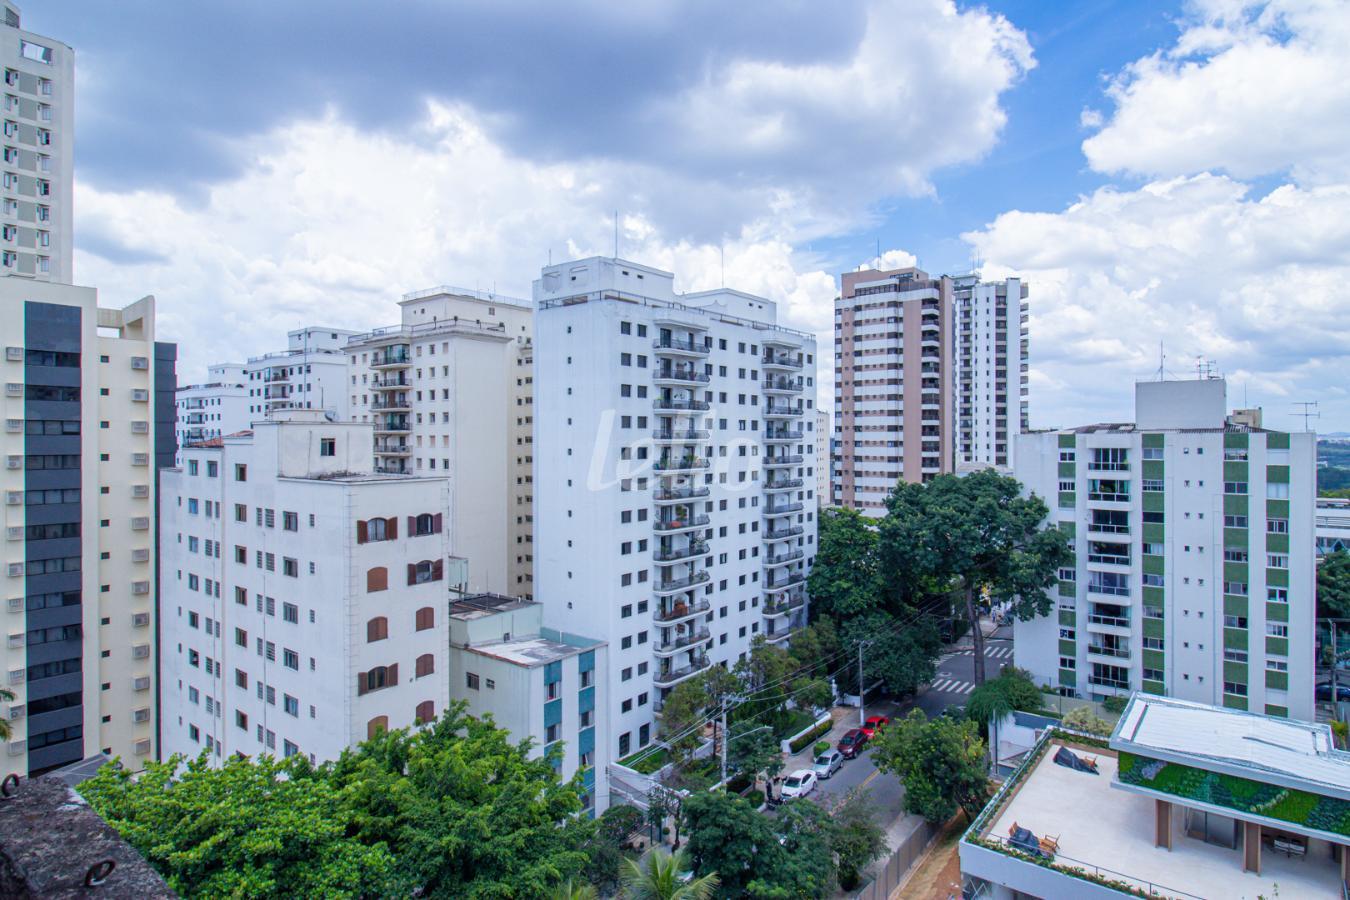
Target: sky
(1172,179)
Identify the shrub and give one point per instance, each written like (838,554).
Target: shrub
(811,735)
(1114,705)
(821,747)
(1084,719)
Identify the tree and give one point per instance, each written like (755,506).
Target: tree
(607,846)
(903,658)
(1333,586)
(753,749)
(941,763)
(800,863)
(662,803)
(857,839)
(977,534)
(572,890)
(730,837)
(1012,691)
(1084,719)
(657,877)
(6,696)
(844,580)
(692,703)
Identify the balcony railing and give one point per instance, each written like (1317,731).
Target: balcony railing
(783,559)
(697,548)
(1114,683)
(780,533)
(1110,590)
(680,584)
(1113,652)
(1108,528)
(670,676)
(674,343)
(668,495)
(781,509)
(391,405)
(1113,621)
(680,464)
(1108,558)
(392,357)
(775,409)
(683,640)
(783,383)
(682,374)
(682,611)
(786,605)
(783,459)
(782,434)
(688,434)
(782,360)
(785,581)
(677,524)
(778,484)
(1109,497)
(390,383)
(680,405)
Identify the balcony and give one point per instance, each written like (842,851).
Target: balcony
(782,484)
(1109,654)
(681,464)
(782,385)
(679,375)
(393,425)
(680,641)
(779,411)
(675,554)
(675,585)
(782,459)
(673,525)
(392,404)
(679,405)
(670,675)
(782,634)
(781,361)
(673,346)
(784,581)
(781,435)
(397,356)
(783,559)
(785,605)
(678,612)
(679,436)
(393,450)
(679,495)
(390,383)
(779,534)
(781,509)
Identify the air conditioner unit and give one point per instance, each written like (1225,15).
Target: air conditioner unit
(14,532)
(140,395)
(15,640)
(140,523)
(140,459)
(140,362)
(14,389)
(140,620)
(142,747)
(14,426)
(14,461)
(14,354)
(15,570)
(141,715)
(141,684)
(140,587)
(140,651)
(17,711)
(14,498)
(140,491)
(14,604)
(16,676)
(17,748)
(140,554)
(140,427)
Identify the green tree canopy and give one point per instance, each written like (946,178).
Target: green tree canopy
(1333,586)
(940,762)
(857,839)
(845,579)
(728,836)
(659,877)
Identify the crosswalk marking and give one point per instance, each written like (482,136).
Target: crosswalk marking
(953,686)
(989,653)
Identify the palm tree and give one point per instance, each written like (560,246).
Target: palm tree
(6,696)
(989,704)
(570,890)
(657,877)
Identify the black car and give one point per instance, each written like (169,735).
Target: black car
(1323,692)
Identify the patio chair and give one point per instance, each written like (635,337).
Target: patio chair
(1049,844)
(1091,762)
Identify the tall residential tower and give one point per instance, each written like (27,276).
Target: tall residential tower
(992,371)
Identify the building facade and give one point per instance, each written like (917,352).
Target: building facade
(448,395)
(1332,525)
(216,407)
(311,373)
(676,515)
(894,384)
(992,365)
(36,228)
(303,595)
(536,682)
(824,432)
(1194,556)
(88,419)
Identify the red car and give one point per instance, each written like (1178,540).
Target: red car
(852,742)
(872,724)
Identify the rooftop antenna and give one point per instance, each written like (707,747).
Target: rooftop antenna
(1309,412)
(1204,368)
(1162,362)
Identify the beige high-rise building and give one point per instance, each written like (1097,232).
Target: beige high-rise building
(450,393)
(89,418)
(893,374)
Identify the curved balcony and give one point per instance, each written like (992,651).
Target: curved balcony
(680,641)
(782,385)
(782,509)
(397,382)
(782,459)
(779,534)
(777,637)
(398,356)
(679,495)
(784,605)
(785,581)
(681,464)
(671,675)
(679,375)
(679,405)
(674,346)
(675,526)
(679,436)
(675,585)
(781,435)
(391,404)
(778,411)
(784,361)
(678,612)
(676,554)
(783,559)
(393,425)
(393,450)
(782,484)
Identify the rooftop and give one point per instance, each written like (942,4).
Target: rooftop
(525,651)
(476,606)
(1298,755)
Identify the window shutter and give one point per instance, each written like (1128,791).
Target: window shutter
(412,573)
(391,529)
(436,524)
(437,570)
(361,534)
(360,683)
(393,675)
(426,665)
(412,525)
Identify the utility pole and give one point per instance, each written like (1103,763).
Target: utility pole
(862,703)
(724,743)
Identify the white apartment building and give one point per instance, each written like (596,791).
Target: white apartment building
(676,511)
(38,170)
(449,393)
(311,373)
(304,596)
(1332,525)
(992,329)
(88,416)
(1194,555)
(216,407)
(823,433)
(536,682)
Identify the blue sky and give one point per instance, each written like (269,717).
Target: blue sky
(1174,172)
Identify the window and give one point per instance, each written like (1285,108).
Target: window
(290,659)
(425,571)
(1234,521)
(290,521)
(376,678)
(426,665)
(240,472)
(372,530)
(1235,487)
(1236,688)
(1234,621)
(290,705)
(426,618)
(471,680)
(377,629)
(1277,629)
(426,523)
(1277,526)
(1277,560)
(327,447)
(426,711)
(376,726)
(1277,595)
(290,567)
(290,613)
(377,579)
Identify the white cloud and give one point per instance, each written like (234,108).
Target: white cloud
(1249,88)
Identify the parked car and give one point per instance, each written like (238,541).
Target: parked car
(1323,692)
(799,784)
(827,763)
(851,744)
(872,724)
